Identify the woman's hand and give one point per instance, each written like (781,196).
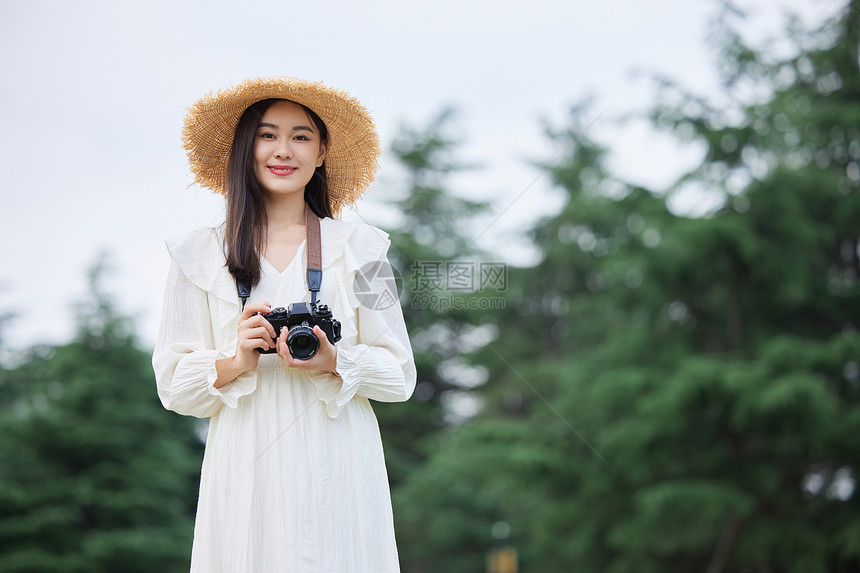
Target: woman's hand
(325,359)
(254,333)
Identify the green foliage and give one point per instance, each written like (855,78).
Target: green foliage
(94,474)
(671,393)
(433,233)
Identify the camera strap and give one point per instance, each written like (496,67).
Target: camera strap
(314,248)
(314,252)
(244,291)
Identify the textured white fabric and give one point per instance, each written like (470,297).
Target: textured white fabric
(293,477)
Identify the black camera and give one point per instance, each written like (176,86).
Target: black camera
(300,318)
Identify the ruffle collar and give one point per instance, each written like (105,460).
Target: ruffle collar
(200,253)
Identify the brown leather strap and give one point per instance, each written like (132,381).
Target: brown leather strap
(314,243)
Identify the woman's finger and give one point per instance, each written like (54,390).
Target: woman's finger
(323,337)
(260,333)
(251,344)
(263,323)
(281,343)
(257,308)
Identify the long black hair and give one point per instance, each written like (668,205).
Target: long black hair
(245,237)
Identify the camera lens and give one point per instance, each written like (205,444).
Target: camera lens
(302,342)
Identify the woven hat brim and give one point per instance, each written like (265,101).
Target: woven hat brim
(352,159)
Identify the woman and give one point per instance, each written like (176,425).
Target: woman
(293,476)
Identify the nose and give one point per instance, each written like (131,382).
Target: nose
(284,150)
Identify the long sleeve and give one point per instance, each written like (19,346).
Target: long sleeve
(185,353)
(380,366)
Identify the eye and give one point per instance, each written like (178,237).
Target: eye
(267,135)
(302,138)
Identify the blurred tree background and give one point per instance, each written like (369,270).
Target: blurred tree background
(671,393)
(434,233)
(95,476)
(659,393)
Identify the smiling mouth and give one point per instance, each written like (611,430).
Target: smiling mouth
(281,170)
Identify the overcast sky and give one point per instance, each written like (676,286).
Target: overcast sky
(94,94)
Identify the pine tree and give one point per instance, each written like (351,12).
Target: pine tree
(94,474)
(681,393)
(432,234)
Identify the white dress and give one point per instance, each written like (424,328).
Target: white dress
(293,477)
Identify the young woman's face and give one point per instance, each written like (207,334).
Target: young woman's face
(287,149)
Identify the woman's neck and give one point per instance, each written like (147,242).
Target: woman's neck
(285,210)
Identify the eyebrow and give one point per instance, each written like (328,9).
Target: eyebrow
(295,128)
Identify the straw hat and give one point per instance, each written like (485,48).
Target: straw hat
(352,157)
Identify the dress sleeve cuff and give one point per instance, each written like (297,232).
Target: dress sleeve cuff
(337,389)
(230,393)
(199,368)
(244,384)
